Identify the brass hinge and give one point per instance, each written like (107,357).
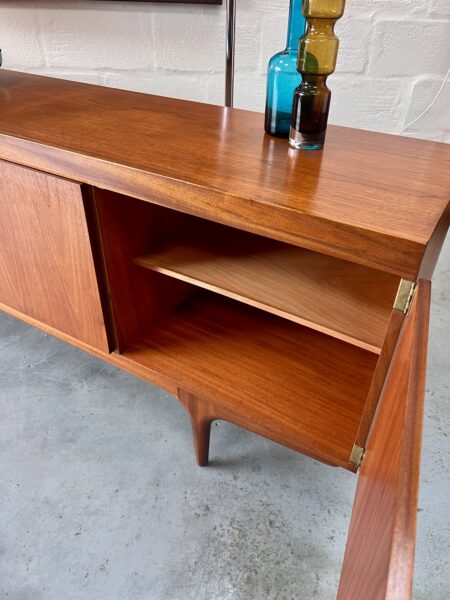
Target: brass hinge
(357,456)
(405,294)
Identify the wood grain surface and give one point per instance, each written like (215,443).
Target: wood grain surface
(291,384)
(379,377)
(127,227)
(379,558)
(202,413)
(371,198)
(342,299)
(46,265)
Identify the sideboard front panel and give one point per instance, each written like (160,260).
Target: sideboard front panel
(46,265)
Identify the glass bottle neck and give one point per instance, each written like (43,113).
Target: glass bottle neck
(314,83)
(296,27)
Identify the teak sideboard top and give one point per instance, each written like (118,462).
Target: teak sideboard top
(370,198)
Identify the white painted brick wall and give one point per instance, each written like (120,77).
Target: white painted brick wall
(393,58)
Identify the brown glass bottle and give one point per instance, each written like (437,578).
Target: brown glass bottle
(317,54)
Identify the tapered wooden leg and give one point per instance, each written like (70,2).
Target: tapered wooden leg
(201,416)
(201,430)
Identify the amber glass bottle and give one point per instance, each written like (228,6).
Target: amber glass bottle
(317,54)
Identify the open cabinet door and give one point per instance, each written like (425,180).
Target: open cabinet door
(379,557)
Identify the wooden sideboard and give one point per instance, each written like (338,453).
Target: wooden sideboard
(287,292)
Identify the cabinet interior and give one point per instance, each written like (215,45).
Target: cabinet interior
(344,300)
(229,315)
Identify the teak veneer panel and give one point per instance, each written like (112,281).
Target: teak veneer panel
(342,299)
(287,382)
(371,198)
(47,269)
(379,557)
(137,298)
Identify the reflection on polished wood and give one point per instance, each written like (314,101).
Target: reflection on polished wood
(368,197)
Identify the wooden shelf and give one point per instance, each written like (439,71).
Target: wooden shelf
(348,301)
(236,355)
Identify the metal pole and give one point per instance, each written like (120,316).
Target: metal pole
(229,67)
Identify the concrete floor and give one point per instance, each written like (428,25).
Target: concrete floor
(101,500)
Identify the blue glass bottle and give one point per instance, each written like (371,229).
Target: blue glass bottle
(283,77)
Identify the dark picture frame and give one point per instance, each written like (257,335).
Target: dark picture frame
(174,1)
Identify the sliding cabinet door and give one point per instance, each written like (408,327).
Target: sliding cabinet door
(46,264)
